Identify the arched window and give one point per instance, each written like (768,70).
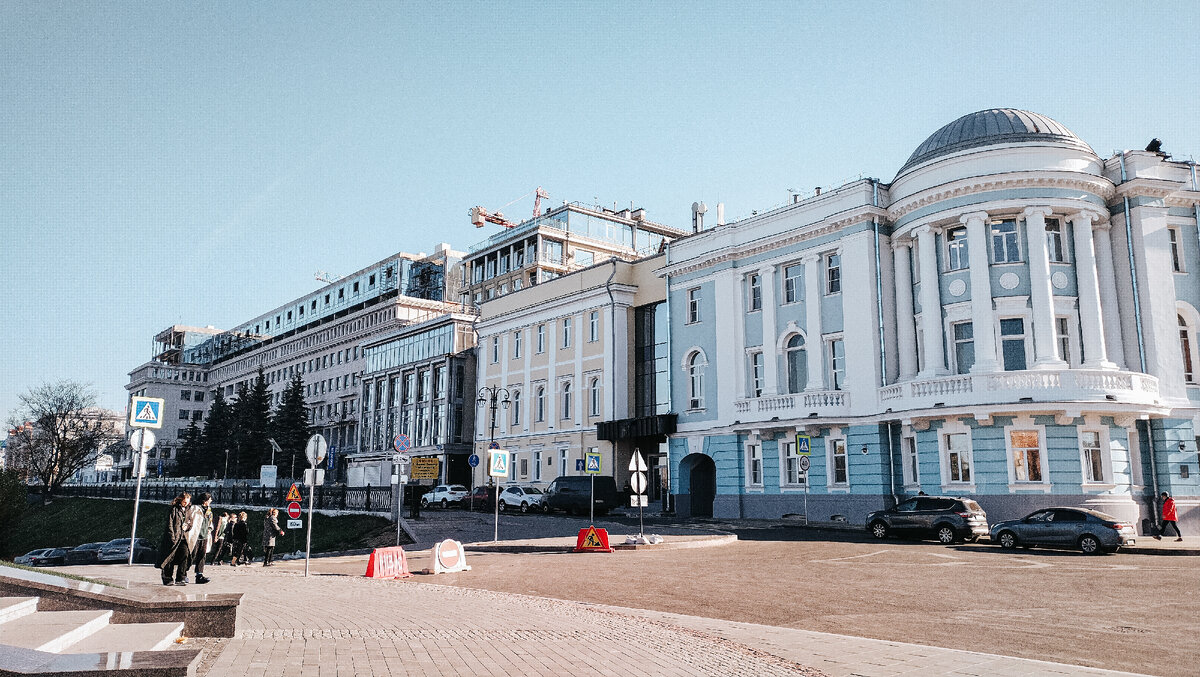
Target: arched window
(695,368)
(516,407)
(594,396)
(797,364)
(566,399)
(541,403)
(1185,347)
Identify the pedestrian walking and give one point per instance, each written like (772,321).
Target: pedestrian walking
(241,537)
(219,538)
(227,546)
(1168,518)
(270,531)
(202,514)
(174,545)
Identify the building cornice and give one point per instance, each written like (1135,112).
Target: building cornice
(1097,185)
(1147,187)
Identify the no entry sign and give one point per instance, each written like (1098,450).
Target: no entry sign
(293,510)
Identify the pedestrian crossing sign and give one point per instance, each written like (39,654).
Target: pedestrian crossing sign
(498,463)
(803,445)
(592,465)
(293,494)
(145,412)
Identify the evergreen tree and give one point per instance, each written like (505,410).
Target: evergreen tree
(217,438)
(289,427)
(190,461)
(252,418)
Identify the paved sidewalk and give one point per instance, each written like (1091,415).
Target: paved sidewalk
(334,625)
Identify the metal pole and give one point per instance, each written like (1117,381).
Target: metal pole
(308,540)
(496,524)
(805,498)
(592,499)
(137,496)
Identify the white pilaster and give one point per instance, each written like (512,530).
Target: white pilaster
(906,333)
(620,372)
(1107,283)
(1041,296)
(1090,314)
(814,346)
(766,276)
(983,319)
(931,304)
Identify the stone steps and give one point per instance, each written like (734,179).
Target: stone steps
(15,607)
(52,631)
(129,637)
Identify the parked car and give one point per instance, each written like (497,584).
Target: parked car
(49,557)
(1089,530)
(483,497)
(27,558)
(117,550)
(570,493)
(948,519)
(523,498)
(88,553)
(444,495)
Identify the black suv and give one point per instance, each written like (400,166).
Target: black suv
(948,519)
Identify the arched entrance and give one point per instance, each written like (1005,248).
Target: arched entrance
(701,474)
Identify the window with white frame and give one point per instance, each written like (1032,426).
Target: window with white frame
(837,362)
(1176,254)
(566,399)
(958,457)
(495,349)
(594,326)
(1025,450)
(1054,241)
(912,469)
(956,249)
(833,273)
(540,403)
(964,346)
(541,338)
(1091,449)
(755,292)
(1005,247)
(756,373)
(797,364)
(1062,333)
(791,283)
(791,462)
(696,364)
(562,460)
(537,466)
(516,344)
(594,397)
(566,332)
(1012,343)
(693,305)
(1185,349)
(754,463)
(835,450)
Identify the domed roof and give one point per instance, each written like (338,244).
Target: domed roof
(992,126)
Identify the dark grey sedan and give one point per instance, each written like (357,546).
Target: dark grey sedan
(1089,530)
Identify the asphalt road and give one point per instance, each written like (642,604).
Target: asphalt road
(1139,613)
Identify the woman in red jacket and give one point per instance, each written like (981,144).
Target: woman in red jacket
(1168,517)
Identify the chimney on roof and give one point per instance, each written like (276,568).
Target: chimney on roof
(720,213)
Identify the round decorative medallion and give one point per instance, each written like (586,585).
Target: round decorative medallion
(1059,280)
(1009,280)
(958,287)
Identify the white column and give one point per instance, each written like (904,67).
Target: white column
(1110,306)
(1090,314)
(814,347)
(906,333)
(620,372)
(1045,348)
(931,304)
(983,319)
(766,276)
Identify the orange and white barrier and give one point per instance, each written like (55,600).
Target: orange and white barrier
(388,563)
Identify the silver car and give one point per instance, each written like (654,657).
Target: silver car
(523,498)
(1089,530)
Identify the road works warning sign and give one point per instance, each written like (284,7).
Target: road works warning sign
(294,494)
(592,539)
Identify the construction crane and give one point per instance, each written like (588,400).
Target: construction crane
(480,216)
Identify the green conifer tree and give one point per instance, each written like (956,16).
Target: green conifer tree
(290,428)
(216,440)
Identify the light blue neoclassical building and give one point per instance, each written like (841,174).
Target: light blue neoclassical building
(1011,318)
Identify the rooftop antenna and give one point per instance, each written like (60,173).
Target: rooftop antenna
(698,211)
(328,278)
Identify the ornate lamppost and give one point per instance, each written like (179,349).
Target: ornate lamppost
(494,397)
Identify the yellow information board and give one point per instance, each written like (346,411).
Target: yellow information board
(425,468)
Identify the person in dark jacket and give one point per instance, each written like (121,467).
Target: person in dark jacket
(241,536)
(219,536)
(270,531)
(202,513)
(227,545)
(174,564)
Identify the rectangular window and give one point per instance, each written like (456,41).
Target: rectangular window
(541,338)
(594,326)
(837,462)
(1062,330)
(1012,343)
(1176,256)
(964,346)
(693,305)
(958,457)
(791,462)
(185,395)
(912,471)
(1093,461)
(1054,241)
(566,332)
(956,246)
(537,466)
(837,363)
(184,414)
(199,396)
(495,349)
(833,274)
(755,292)
(756,374)
(1026,455)
(1004,242)
(754,458)
(791,283)
(516,345)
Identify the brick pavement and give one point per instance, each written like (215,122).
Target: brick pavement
(333,625)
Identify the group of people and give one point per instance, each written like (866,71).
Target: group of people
(191,538)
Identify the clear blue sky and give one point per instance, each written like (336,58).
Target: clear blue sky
(196,163)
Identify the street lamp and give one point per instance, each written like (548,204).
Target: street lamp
(226,475)
(494,396)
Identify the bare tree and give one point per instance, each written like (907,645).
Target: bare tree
(58,430)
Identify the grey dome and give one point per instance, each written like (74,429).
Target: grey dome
(992,126)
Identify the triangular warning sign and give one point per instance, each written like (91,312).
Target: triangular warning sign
(294,494)
(592,539)
(147,413)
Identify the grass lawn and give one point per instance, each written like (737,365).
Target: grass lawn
(68,522)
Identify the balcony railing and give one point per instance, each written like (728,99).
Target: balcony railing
(1066,385)
(795,404)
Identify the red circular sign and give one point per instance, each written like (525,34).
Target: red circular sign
(449,553)
(294,510)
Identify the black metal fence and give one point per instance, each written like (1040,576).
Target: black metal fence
(333,497)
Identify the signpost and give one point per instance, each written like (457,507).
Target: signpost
(497,467)
(591,466)
(425,468)
(804,462)
(146,412)
(400,468)
(638,483)
(315,451)
(141,441)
